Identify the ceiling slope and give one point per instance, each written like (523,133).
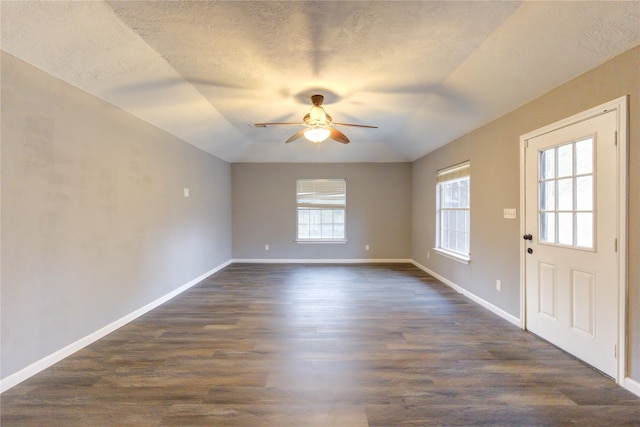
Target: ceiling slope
(424,72)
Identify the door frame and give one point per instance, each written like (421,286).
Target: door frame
(620,105)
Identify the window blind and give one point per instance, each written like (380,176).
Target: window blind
(324,193)
(454,172)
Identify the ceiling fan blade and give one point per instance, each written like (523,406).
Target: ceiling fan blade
(264,125)
(336,135)
(354,125)
(296,135)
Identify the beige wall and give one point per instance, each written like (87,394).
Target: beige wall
(378,210)
(494,153)
(94,222)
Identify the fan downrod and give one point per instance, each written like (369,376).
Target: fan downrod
(317,100)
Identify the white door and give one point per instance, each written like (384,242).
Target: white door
(571,265)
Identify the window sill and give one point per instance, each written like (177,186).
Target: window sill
(454,256)
(318,241)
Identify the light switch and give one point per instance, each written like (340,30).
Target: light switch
(510,213)
(186,192)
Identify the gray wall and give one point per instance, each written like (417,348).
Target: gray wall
(494,153)
(94,222)
(378,210)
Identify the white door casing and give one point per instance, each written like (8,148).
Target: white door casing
(573,268)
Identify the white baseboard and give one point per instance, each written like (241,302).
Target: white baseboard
(16,378)
(321,261)
(496,310)
(632,385)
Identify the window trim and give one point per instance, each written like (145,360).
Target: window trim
(320,241)
(452,173)
(331,240)
(453,255)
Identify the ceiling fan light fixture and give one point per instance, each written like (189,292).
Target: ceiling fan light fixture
(318,125)
(317,135)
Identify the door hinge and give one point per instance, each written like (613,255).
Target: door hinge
(526,143)
(615,138)
(615,351)
(615,244)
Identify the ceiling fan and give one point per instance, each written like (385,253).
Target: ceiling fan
(318,125)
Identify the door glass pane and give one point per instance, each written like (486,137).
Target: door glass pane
(548,227)
(565,228)
(547,195)
(565,160)
(548,164)
(584,156)
(584,193)
(565,194)
(584,229)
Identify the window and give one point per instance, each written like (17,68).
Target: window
(321,210)
(453,195)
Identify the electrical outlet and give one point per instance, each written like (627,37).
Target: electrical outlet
(266,247)
(428,254)
(186,192)
(499,285)
(366,247)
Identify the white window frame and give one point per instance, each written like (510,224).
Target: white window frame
(445,177)
(321,195)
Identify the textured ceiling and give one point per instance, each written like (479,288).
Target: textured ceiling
(424,72)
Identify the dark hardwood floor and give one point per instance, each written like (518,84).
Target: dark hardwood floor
(319,345)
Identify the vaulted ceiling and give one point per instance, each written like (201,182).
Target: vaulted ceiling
(425,72)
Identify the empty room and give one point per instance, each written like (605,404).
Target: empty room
(320,213)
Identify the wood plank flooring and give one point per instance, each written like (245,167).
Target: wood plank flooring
(319,345)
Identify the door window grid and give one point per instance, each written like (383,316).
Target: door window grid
(566,194)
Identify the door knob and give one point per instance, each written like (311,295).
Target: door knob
(527,237)
(529,251)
